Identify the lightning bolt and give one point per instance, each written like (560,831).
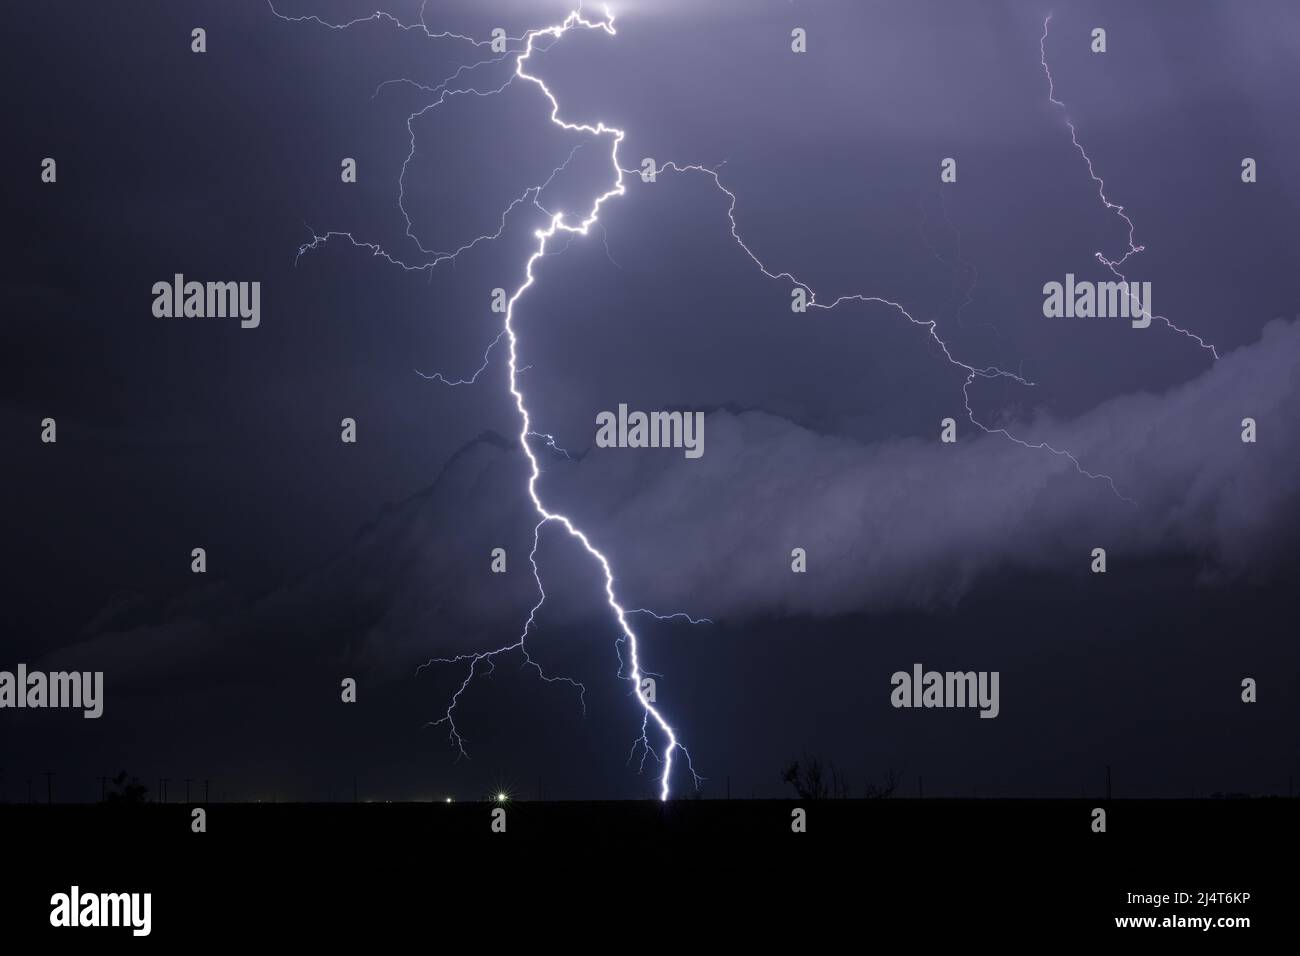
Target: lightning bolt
(379,16)
(972,373)
(485,662)
(559,227)
(1133,248)
(670,617)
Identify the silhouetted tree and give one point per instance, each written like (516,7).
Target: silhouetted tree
(126,791)
(813,780)
(886,787)
(806,777)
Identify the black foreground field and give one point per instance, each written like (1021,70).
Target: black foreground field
(295,871)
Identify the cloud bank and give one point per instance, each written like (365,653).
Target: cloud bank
(904,523)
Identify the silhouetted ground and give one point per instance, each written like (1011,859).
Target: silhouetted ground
(297,869)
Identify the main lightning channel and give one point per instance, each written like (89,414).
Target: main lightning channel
(558,225)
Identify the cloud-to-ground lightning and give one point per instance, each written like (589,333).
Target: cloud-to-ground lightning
(1133,248)
(560,227)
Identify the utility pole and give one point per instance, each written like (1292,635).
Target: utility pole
(165,781)
(103,789)
(205,790)
(49,788)
(1107,781)
(187,791)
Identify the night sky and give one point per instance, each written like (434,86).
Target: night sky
(329,560)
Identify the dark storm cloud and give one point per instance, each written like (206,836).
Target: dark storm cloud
(888,525)
(916,522)
(821,435)
(403,589)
